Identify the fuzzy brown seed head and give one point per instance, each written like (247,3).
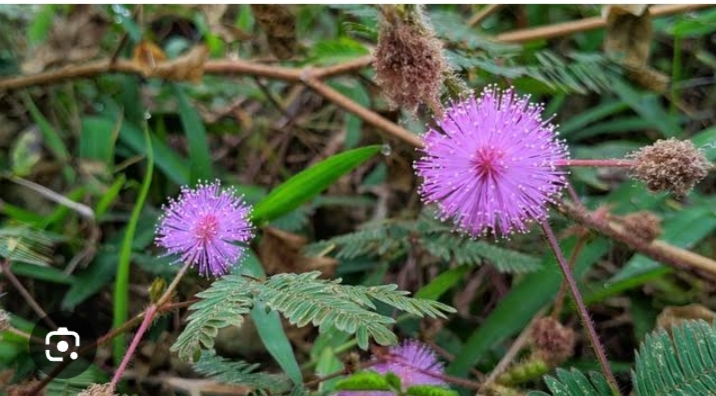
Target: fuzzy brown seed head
(98,390)
(552,341)
(408,64)
(670,165)
(643,224)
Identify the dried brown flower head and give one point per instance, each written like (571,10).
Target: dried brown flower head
(670,165)
(643,224)
(408,63)
(552,341)
(98,390)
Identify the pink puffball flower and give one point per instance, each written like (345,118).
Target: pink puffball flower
(413,362)
(492,166)
(205,227)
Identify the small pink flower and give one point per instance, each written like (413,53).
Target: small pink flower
(205,226)
(413,362)
(491,166)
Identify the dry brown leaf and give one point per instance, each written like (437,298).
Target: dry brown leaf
(280,252)
(633,9)
(279,24)
(650,79)
(147,55)
(75,38)
(628,36)
(188,67)
(673,316)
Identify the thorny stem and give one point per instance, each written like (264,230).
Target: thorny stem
(559,301)
(581,307)
(5,265)
(149,315)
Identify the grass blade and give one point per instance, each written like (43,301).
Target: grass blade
(309,183)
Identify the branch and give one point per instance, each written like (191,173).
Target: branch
(219,66)
(657,250)
(365,114)
(583,25)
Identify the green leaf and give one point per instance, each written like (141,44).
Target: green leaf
(270,328)
(648,106)
(121,285)
(223,304)
(682,364)
(51,137)
(430,390)
(106,200)
(41,23)
(364,381)
(222,370)
(96,277)
(197,141)
(442,283)
(335,51)
(575,383)
(309,183)
(97,141)
(170,163)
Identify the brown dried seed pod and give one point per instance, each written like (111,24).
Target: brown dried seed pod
(643,224)
(98,390)
(408,64)
(670,165)
(552,341)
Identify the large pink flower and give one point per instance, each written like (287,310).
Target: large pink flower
(491,166)
(206,227)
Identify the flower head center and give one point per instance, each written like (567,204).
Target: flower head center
(206,228)
(489,161)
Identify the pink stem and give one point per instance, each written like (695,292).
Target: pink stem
(620,163)
(149,315)
(581,307)
(148,318)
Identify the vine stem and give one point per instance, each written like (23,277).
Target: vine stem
(581,307)
(149,316)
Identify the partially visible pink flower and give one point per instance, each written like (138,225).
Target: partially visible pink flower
(413,362)
(205,227)
(491,166)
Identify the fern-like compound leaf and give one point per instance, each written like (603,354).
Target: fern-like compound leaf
(223,304)
(575,383)
(241,373)
(683,364)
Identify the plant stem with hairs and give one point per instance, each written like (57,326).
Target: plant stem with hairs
(581,307)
